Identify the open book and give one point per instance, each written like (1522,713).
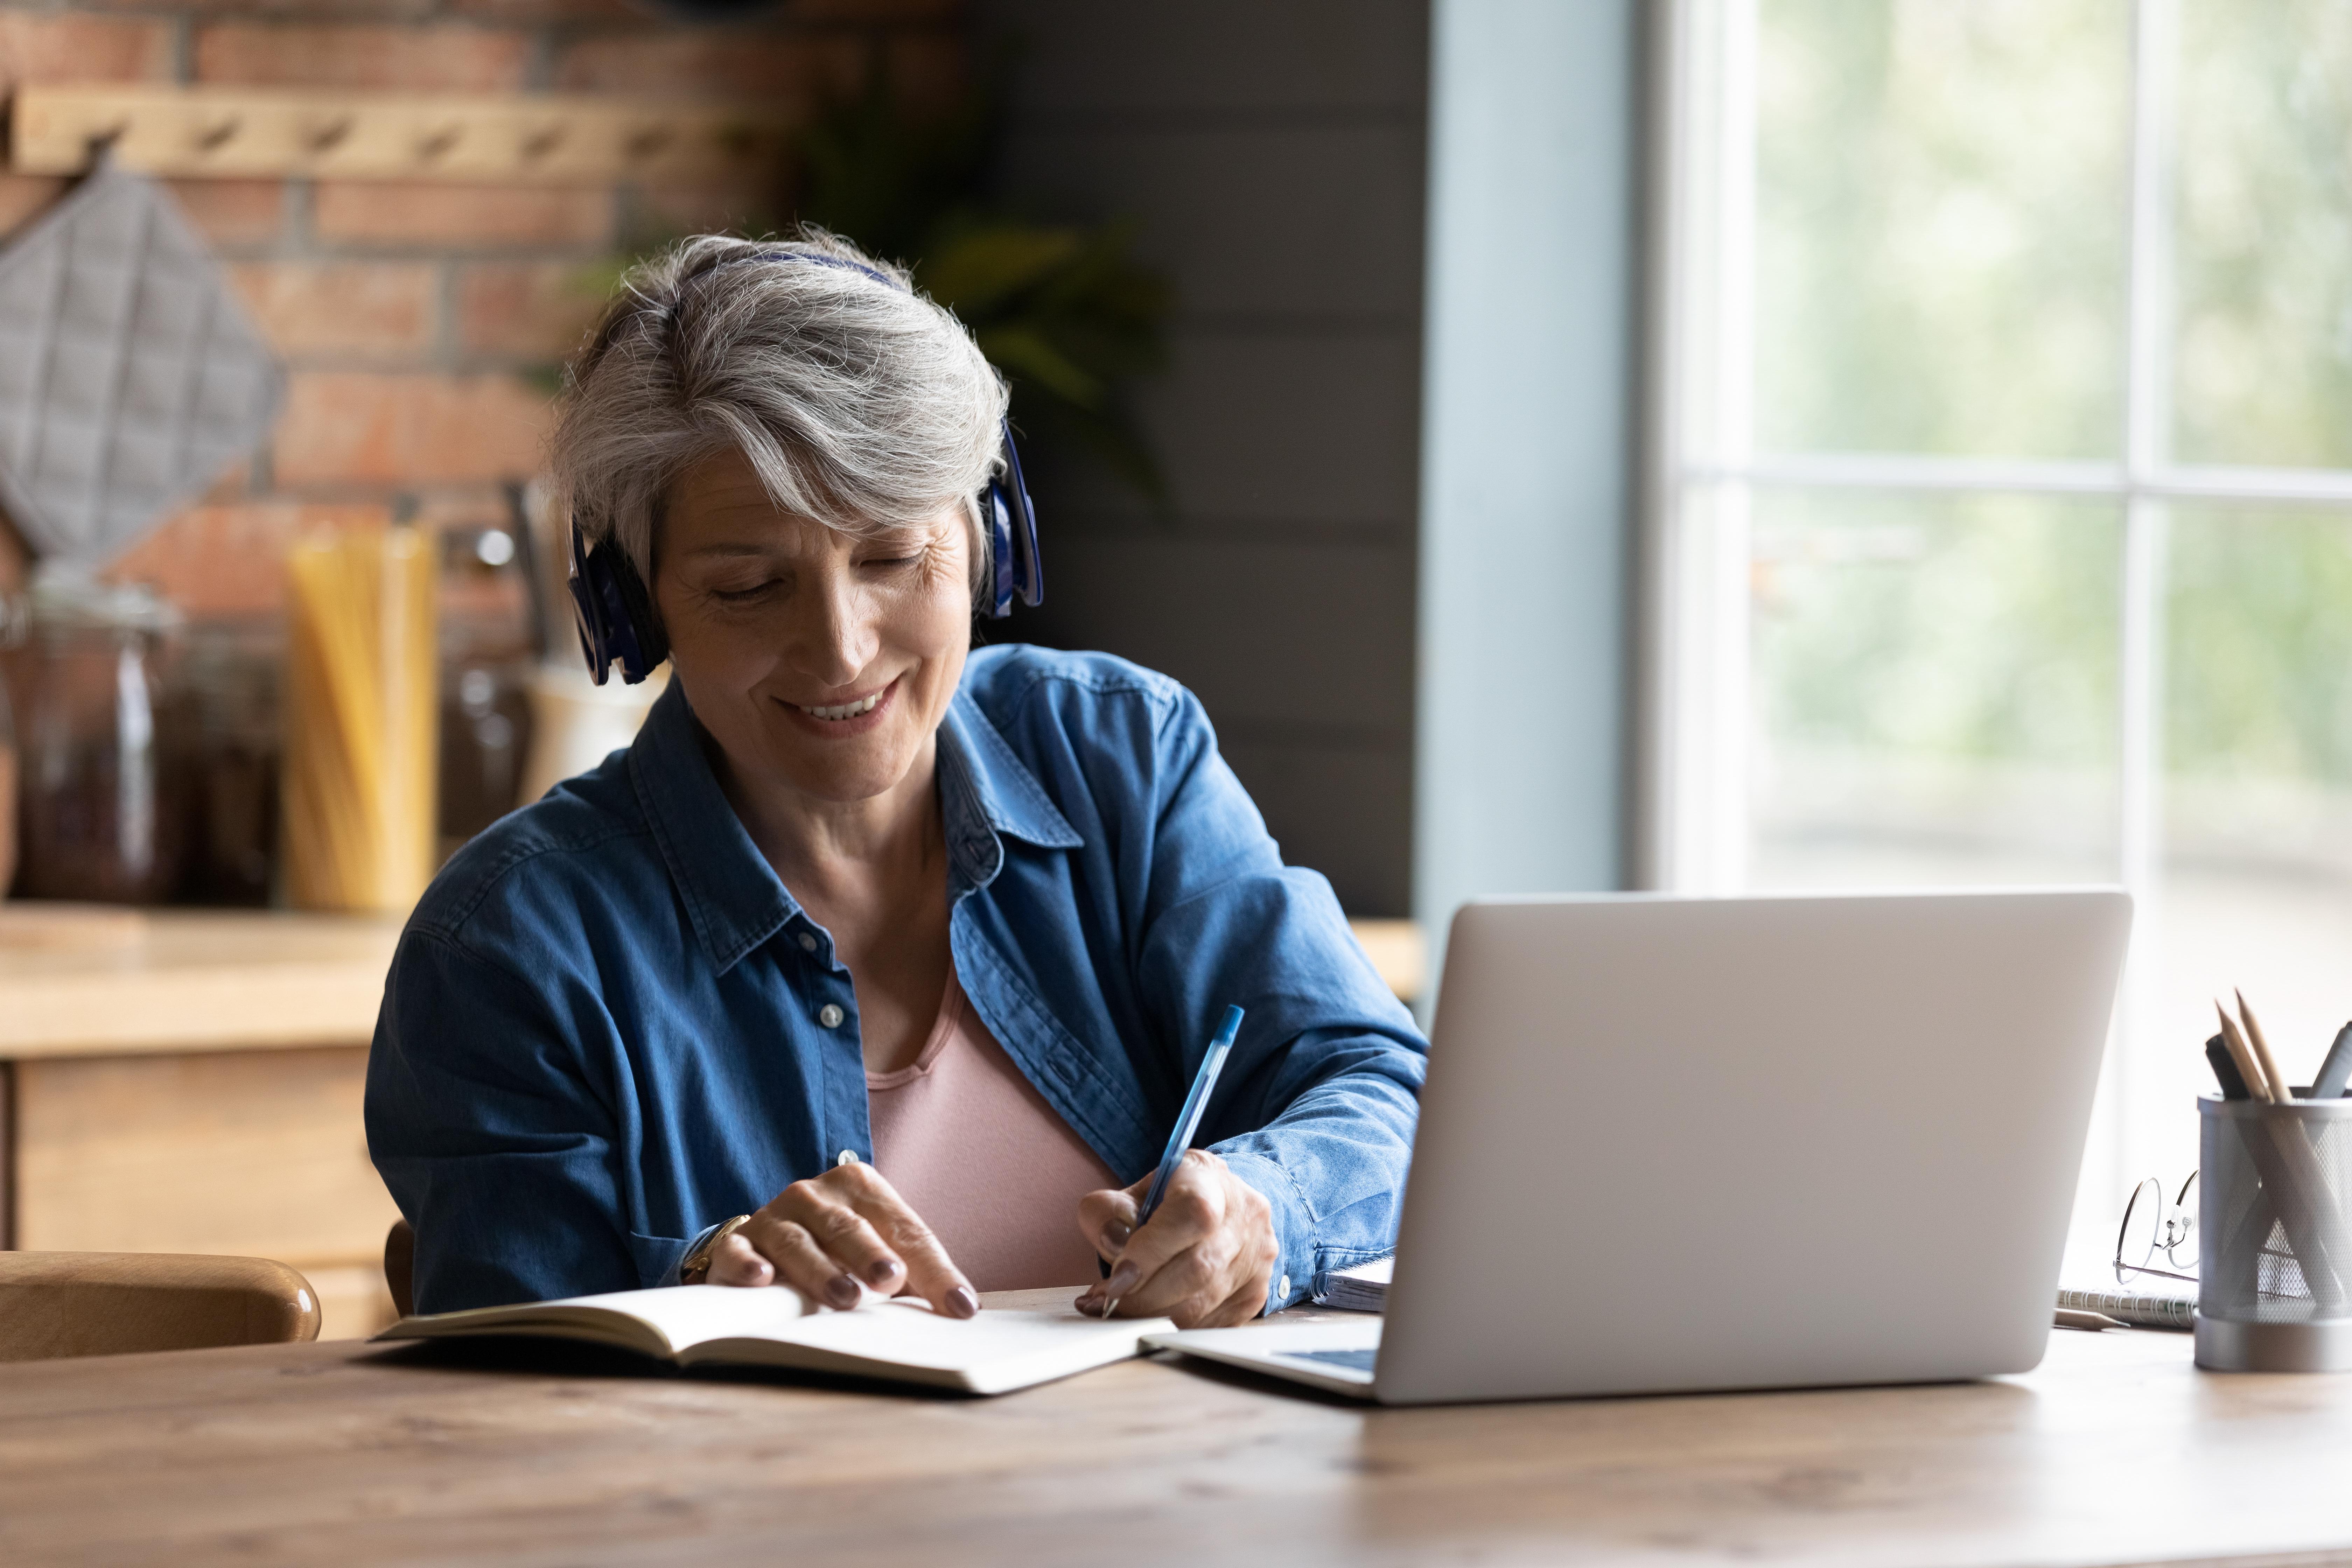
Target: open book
(900,1339)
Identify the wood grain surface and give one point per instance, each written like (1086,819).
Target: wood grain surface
(111,1303)
(2115,1451)
(191,980)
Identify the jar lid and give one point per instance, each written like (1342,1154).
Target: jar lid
(66,597)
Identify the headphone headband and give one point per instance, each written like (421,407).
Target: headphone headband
(614,614)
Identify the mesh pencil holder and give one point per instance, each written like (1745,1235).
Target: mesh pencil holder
(2275,1228)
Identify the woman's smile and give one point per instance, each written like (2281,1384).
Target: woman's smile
(842,721)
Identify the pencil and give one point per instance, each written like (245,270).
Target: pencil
(2258,1084)
(2280,1090)
(1187,1122)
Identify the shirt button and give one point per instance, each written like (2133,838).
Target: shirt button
(847,1157)
(829,1016)
(1282,1288)
(808,942)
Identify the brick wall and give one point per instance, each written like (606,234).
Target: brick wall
(419,321)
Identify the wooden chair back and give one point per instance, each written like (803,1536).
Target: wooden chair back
(110,1303)
(400,1267)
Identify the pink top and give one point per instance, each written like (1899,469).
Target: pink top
(974,1149)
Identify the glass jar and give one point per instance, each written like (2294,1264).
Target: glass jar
(10,620)
(96,822)
(485,665)
(224,740)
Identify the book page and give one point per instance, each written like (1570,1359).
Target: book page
(906,1332)
(677,1316)
(689,1315)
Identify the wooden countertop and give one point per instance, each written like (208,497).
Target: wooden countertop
(76,980)
(2115,1451)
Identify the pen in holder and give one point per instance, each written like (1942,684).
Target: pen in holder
(2275,1228)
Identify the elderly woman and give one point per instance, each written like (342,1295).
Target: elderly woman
(877,961)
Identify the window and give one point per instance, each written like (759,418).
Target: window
(2002,487)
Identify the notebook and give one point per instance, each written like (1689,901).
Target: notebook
(2153,1303)
(899,1341)
(1363,1288)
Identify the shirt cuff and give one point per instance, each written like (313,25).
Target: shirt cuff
(1295,1238)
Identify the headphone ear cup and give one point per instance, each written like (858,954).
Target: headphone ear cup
(1028,574)
(588,609)
(1001,565)
(652,641)
(613,614)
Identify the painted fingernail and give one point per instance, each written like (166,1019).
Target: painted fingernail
(962,1303)
(841,1291)
(1115,1235)
(1123,1278)
(882,1270)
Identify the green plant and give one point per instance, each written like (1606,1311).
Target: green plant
(1064,310)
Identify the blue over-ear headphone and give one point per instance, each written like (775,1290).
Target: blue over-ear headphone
(614,614)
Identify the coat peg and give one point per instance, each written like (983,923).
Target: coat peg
(103,140)
(222,132)
(326,135)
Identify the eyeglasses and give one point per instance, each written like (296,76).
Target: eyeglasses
(2152,1226)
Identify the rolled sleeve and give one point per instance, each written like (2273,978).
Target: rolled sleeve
(1317,1105)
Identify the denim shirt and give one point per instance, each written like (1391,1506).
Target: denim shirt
(608,1025)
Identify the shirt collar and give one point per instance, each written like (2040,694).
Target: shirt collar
(984,790)
(733,898)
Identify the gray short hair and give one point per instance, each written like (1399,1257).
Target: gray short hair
(858,402)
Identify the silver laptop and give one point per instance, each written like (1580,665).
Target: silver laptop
(1723,1144)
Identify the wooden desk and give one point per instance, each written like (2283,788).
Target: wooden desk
(2115,1451)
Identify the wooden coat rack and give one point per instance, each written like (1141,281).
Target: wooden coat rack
(506,139)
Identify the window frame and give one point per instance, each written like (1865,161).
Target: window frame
(1691,809)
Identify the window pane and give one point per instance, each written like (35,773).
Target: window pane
(1934,689)
(2263,356)
(2258,789)
(1940,226)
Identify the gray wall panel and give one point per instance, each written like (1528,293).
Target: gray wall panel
(1315,636)
(1277,429)
(1272,155)
(1346,811)
(1315,221)
(1246,57)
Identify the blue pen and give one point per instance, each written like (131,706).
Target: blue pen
(1187,1122)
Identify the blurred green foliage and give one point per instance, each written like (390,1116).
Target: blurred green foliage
(1064,310)
(1942,208)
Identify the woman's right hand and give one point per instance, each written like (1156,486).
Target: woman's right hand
(825,1236)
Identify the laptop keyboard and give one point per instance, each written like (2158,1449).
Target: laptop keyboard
(1355,1361)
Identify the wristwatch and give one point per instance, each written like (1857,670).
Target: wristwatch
(696,1269)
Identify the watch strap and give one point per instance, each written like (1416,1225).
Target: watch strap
(696,1268)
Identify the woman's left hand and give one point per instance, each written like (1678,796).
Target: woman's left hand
(1206,1259)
